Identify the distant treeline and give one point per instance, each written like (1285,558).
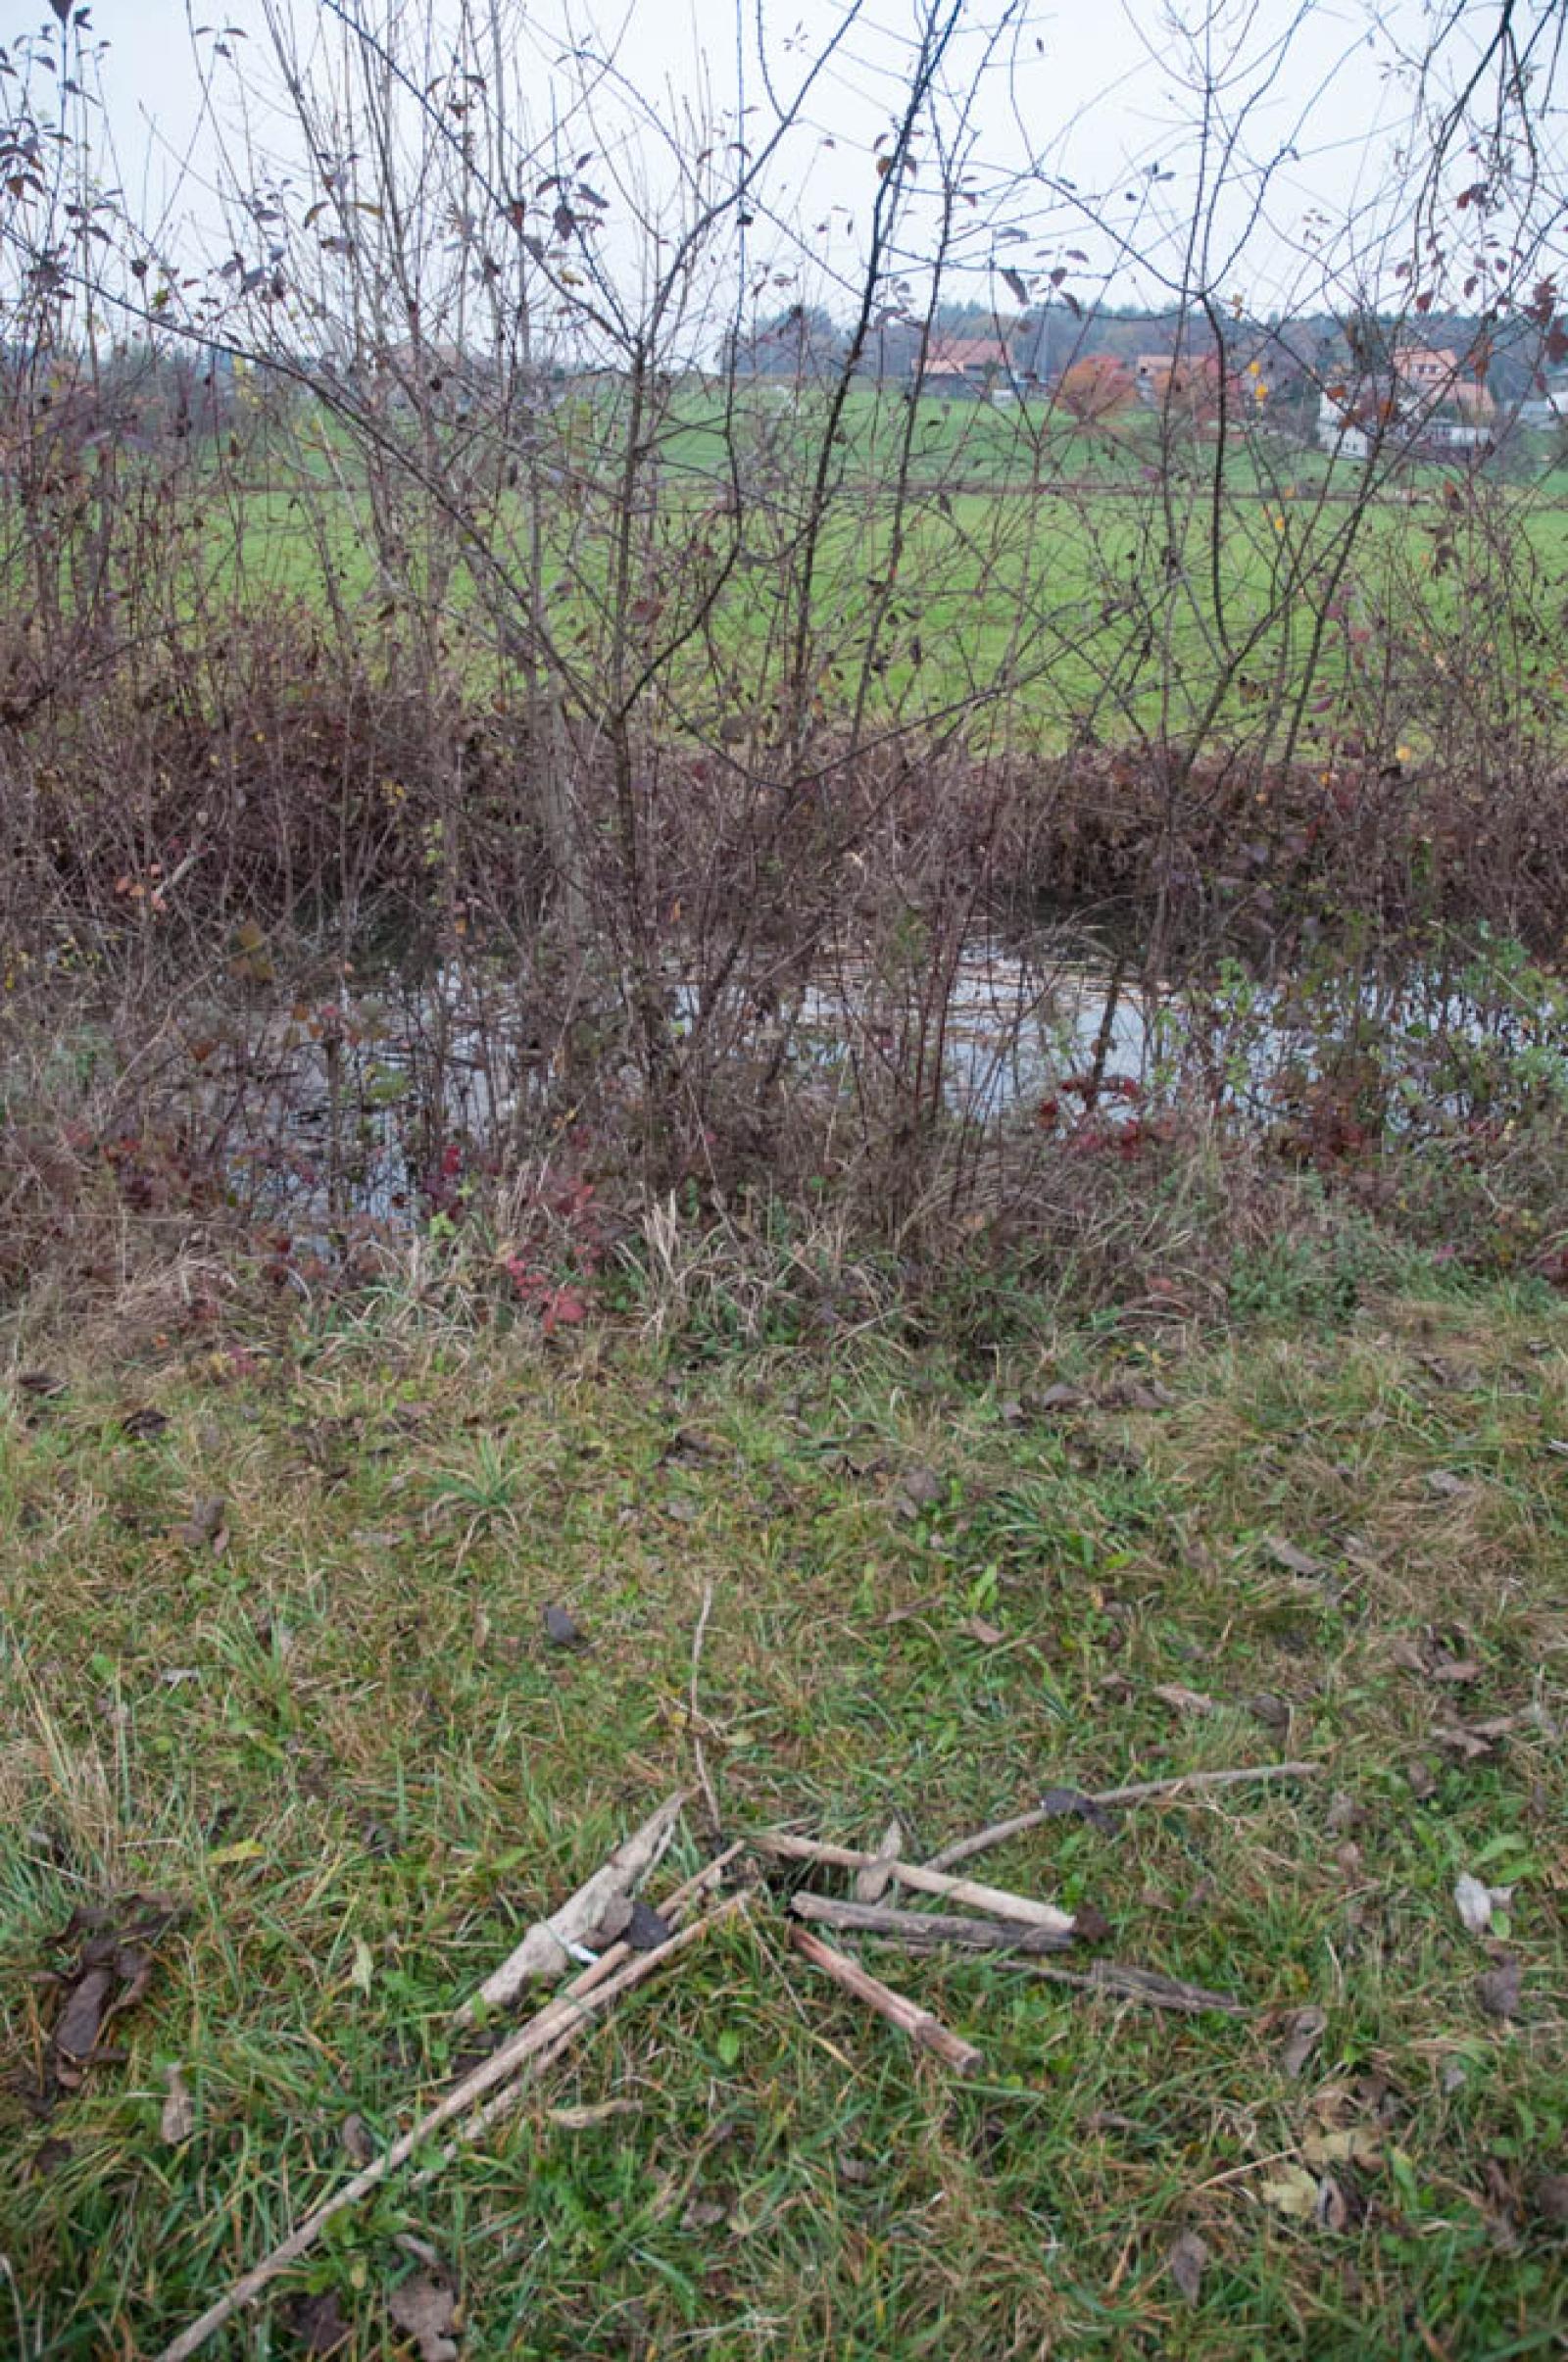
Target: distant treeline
(1042,341)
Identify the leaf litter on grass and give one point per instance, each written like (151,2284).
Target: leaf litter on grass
(487,1792)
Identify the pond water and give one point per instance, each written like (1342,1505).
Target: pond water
(381,1107)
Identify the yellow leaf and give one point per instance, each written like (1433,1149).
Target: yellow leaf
(1358,2144)
(1294,2194)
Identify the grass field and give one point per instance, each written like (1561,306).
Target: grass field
(279,1656)
(1065,583)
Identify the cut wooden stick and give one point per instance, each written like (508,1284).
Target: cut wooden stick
(928,1928)
(995,1901)
(983,1839)
(543,1952)
(908,2017)
(542,2033)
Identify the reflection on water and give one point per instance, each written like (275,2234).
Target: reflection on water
(383,1108)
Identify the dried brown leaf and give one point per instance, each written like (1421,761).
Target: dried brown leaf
(592,2113)
(1185,2264)
(645,1931)
(1348,2145)
(1292,2191)
(920,1488)
(1498,1990)
(1549,2194)
(207,1526)
(83,2012)
(1182,1700)
(975,1628)
(561,1630)
(1292,1558)
(1302,2038)
(425,2309)
(317,2323)
(1062,1801)
(871,1883)
(177,2121)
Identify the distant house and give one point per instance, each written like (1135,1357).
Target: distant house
(1151,376)
(1436,374)
(1189,382)
(967,365)
(1417,414)
(1097,386)
(1548,408)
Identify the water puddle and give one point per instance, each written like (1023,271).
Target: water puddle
(381,1109)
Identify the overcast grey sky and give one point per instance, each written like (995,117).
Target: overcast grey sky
(1095,94)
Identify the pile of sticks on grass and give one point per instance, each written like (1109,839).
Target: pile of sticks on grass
(616,1941)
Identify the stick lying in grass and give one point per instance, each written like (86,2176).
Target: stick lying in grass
(995,1901)
(541,2033)
(999,1832)
(543,1951)
(928,1928)
(560,2018)
(1101,1976)
(699,1759)
(908,2017)
(872,1885)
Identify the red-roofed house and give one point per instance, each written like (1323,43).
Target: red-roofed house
(966,365)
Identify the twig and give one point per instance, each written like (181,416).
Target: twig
(1112,1977)
(565,2010)
(908,2017)
(703,1782)
(999,1832)
(995,1901)
(872,1885)
(543,1951)
(562,2029)
(928,1927)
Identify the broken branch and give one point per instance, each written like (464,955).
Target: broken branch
(906,2015)
(999,1832)
(928,1928)
(995,1901)
(567,2015)
(565,2011)
(872,1885)
(699,1759)
(558,2018)
(544,1951)
(1109,1977)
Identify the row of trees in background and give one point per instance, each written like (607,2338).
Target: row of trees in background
(440,552)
